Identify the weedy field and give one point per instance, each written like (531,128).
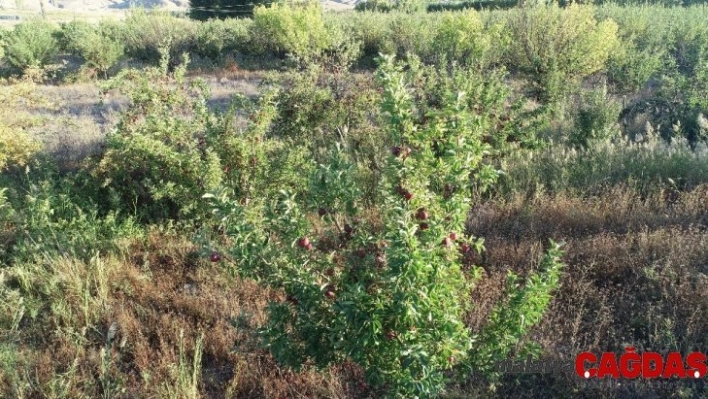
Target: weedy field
(367,204)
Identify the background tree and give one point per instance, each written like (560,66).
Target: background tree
(222,9)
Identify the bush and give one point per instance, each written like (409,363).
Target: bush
(296,30)
(146,33)
(157,159)
(215,37)
(72,35)
(372,30)
(16,147)
(31,44)
(374,5)
(475,5)
(408,6)
(101,51)
(222,9)
(382,286)
(643,52)
(555,47)
(461,37)
(98,46)
(596,117)
(411,34)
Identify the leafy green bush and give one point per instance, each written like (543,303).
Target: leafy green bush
(16,147)
(643,52)
(31,44)
(100,46)
(216,37)
(408,6)
(101,52)
(51,223)
(555,47)
(372,30)
(169,149)
(222,9)
(462,37)
(410,33)
(596,117)
(146,33)
(374,5)
(382,285)
(296,30)
(475,5)
(157,160)
(72,34)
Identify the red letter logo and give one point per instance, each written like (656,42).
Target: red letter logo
(608,366)
(674,366)
(580,365)
(630,363)
(696,362)
(647,370)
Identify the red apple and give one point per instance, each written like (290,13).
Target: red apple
(453,236)
(396,151)
(407,195)
(330,292)
(215,257)
(465,248)
(303,242)
(424,226)
(322,211)
(348,228)
(308,246)
(422,214)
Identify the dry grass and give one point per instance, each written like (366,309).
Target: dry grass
(155,294)
(636,276)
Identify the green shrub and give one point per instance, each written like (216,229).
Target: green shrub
(169,149)
(475,5)
(462,37)
(374,5)
(596,117)
(157,161)
(31,44)
(373,284)
(216,37)
(146,33)
(555,47)
(16,147)
(222,9)
(101,52)
(643,52)
(410,33)
(408,6)
(372,30)
(51,222)
(72,35)
(296,30)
